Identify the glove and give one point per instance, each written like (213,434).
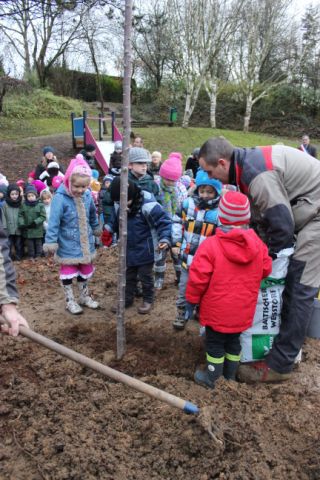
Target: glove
(106,238)
(32,225)
(189,308)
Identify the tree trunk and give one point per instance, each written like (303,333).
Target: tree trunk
(191,100)
(2,94)
(121,333)
(247,115)
(212,89)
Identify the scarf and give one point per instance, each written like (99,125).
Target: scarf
(31,204)
(168,198)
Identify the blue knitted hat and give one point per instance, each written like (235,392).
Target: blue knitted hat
(47,150)
(202,178)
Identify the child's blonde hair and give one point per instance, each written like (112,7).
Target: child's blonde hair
(79,175)
(156,154)
(45,194)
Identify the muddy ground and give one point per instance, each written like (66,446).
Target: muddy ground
(60,421)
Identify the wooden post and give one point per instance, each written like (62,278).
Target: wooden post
(121,334)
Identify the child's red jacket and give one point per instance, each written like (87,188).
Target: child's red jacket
(225,276)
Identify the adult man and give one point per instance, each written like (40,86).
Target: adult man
(283,185)
(8,291)
(307,147)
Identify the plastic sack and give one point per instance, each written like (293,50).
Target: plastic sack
(256,342)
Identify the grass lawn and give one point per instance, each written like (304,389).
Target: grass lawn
(168,139)
(165,139)
(18,129)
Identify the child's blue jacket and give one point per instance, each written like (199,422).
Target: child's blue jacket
(148,227)
(71,228)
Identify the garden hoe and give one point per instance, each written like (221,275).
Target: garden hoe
(143,387)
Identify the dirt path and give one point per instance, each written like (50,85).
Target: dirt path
(59,421)
(19,158)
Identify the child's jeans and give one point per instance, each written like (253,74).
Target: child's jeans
(144,272)
(34,247)
(16,245)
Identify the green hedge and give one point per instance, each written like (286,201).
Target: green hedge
(81,85)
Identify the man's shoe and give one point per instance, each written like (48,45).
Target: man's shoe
(145,308)
(254,372)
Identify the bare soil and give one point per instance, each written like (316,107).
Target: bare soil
(60,421)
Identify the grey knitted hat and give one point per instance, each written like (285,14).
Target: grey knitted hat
(139,155)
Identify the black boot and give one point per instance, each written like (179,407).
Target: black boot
(230,368)
(208,377)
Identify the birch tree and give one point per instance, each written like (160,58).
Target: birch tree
(263,30)
(202,28)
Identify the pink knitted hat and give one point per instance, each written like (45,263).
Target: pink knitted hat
(79,166)
(171,169)
(39,185)
(234,209)
(175,155)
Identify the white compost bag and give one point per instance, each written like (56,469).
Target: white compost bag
(257,340)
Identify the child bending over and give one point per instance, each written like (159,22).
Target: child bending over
(146,221)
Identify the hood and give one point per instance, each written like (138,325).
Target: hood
(239,245)
(77,165)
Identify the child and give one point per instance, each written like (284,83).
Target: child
(39,185)
(155,164)
(22,185)
(139,158)
(224,279)
(195,221)
(10,213)
(31,217)
(171,195)
(193,162)
(56,182)
(146,221)
(88,153)
(46,199)
(53,170)
(31,177)
(3,191)
(70,234)
(116,159)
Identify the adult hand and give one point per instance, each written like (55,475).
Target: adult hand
(13,318)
